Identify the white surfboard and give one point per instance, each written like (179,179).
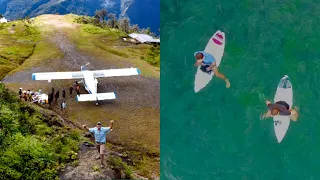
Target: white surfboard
(283,93)
(215,47)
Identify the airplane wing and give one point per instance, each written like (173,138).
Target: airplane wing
(94,97)
(116,72)
(57,75)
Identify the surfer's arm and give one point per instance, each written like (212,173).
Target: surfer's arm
(197,63)
(266,115)
(271,106)
(268,102)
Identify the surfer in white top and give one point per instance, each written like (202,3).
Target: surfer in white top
(208,64)
(280,108)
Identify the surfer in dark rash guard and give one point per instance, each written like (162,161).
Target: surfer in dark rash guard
(208,64)
(280,108)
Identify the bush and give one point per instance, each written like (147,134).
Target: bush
(84,20)
(27,158)
(26,152)
(153,56)
(119,166)
(75,135)
(91,29)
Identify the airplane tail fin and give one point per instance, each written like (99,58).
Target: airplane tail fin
(94,97)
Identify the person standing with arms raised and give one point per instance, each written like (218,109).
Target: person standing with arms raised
(100,134)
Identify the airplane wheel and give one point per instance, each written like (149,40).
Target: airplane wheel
(97,103)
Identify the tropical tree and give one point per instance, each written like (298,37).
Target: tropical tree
(148,31)
(97,17)
(97,14)
(143,31)
(135,28)
(124,24)
(112,20)
(152,34)
(103,13)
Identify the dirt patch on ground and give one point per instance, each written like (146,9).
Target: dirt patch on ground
(88,167)
(11,30)
(55,21)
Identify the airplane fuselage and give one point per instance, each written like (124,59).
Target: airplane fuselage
(90,83)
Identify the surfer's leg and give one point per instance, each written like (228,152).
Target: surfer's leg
(221,76)
(294,115)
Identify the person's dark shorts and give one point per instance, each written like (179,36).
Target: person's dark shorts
(204,69)
(284,104)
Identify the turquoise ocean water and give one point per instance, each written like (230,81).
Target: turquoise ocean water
(217,133)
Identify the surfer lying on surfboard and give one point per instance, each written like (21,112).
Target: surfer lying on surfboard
(280,108)
(208,64)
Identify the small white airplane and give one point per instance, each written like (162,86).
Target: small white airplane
(89,80)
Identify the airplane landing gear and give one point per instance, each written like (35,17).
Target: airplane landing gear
(97,103)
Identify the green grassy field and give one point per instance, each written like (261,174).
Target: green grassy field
(17,43)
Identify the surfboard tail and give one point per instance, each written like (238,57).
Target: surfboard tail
(202,80)
(285,83)
(281,125)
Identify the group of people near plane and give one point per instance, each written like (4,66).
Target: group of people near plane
(52,97)
(26,95)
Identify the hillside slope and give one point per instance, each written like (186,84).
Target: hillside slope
(58,44)
(34,144)
(146,13)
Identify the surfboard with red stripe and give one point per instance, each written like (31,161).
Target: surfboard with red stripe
(218,39)
(215,47)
